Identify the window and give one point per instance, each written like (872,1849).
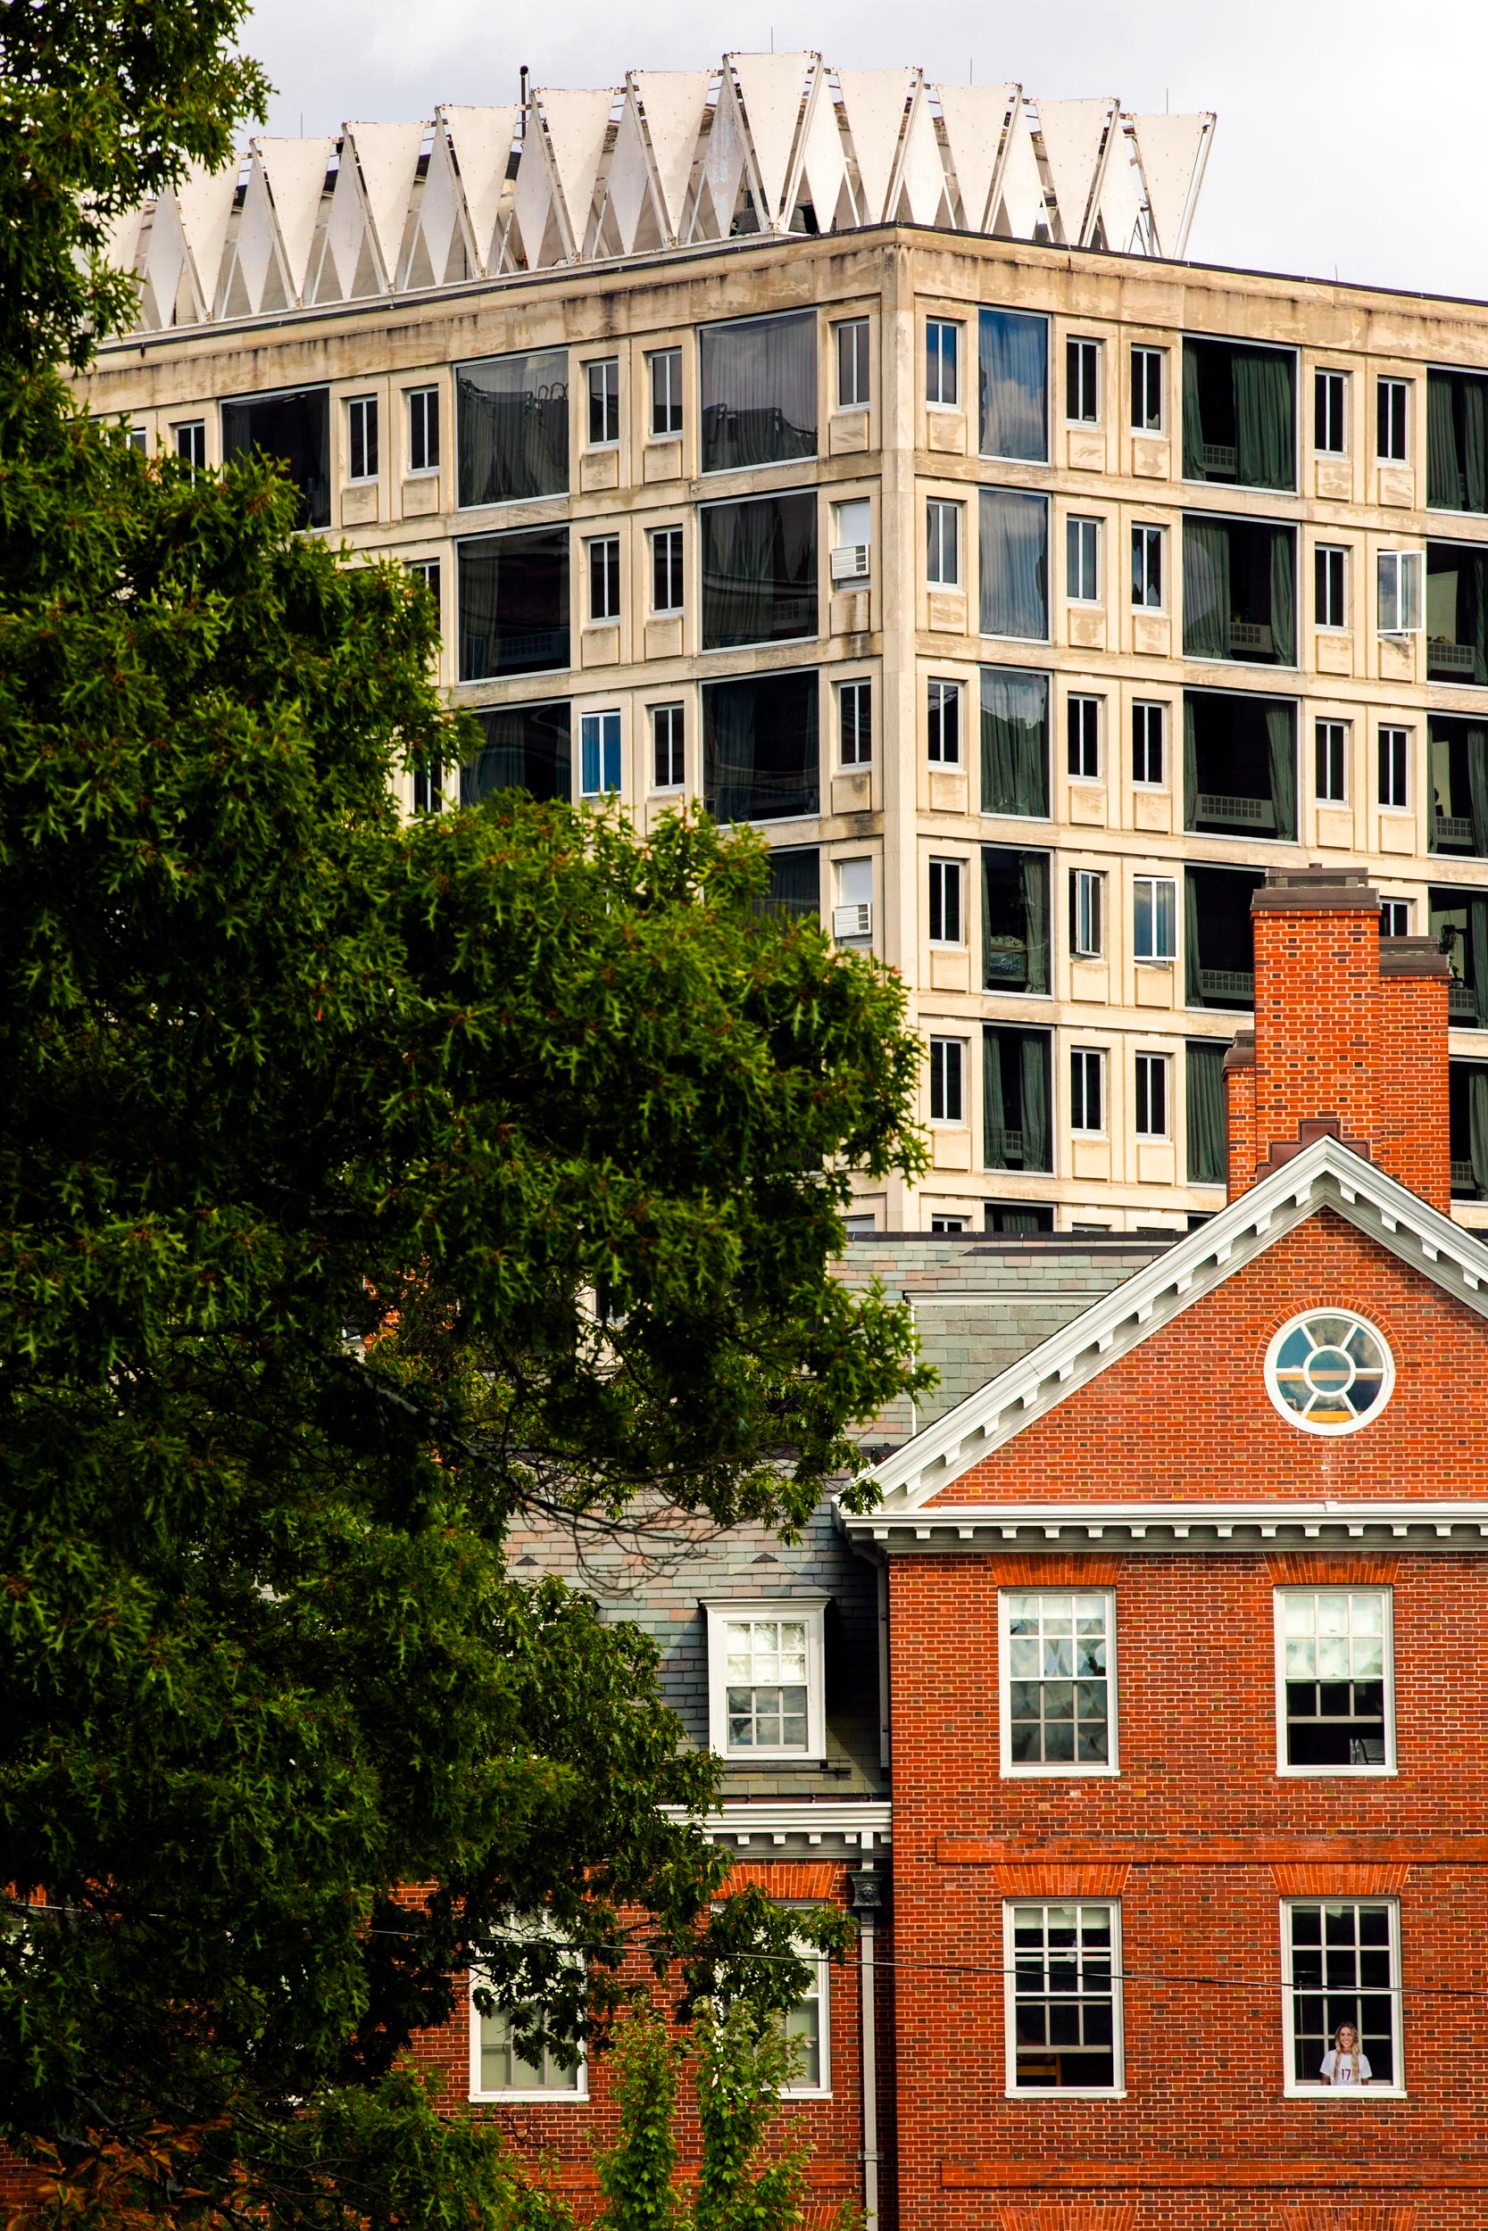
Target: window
(942,355)
(665,368)
(947,1071)
(794,887)
(1014,563)
(1016,1074)
(1058,1673)
(942,544)
(765,1689)
(760,747)
(1014,378)
(855,723)
(513,603)
(1082,560)
(759,570)
(1087,1090)
(1334,1683)
(191,444)
(1082,364)
(1017,1217)
(1015,742)
(852,540)
(512,430)
(1330,413)
(1083,721)
(1329,1372)
(852,363)
(944,716)
(1395,917)
(1331,740)
(1239,414)
(1087,913)
(1147,569)
(1152,1096)
(1394,769)
(1147,390)
(945,902)
(1456,468)
(1062,1965)
(1399,582)
(1149,724)
(1241,762)
(1456,604)
(1015,919)
(1219,970)
(1331,585)
(1154,918)
(1204,1102)
(599,754)
(947,1225)
(499,2071)
(423,429)
(604,577)
(668,747)
(852,916)
(1390,406)
(138,438)
(1239,597)
(666,570)
(1341,1963)
(526,748)
(426,570)
(602,381)
(294,427)
(807,2027)
(758,380)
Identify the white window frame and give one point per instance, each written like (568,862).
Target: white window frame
(948,1061)
(1155,960)
(1389,1768)
(654,536)
(1095,720)
(600,718)
(1087,913)
(951,692)
(1392,729)
(809,1609)
(1393,385)
(939,509)
(1326,734)
(1082,1058)
(861,687)
(1147,537)
(944,863)
(1338,383)
(1316,2088)
(1159,425)
(1162,1065)
(672,706)
(189,441)
(949,1226)
(602,388)
(1394,906)
(664,394)
(1089,354)
(1082,556)
(564,2095)
(1061,1770)
(361,412)
(1048,2097)
(417,399)
(859,329)
(936,398)
(1330,558)
(593,545)
(1400,577)
(799,2087)
(1149,706)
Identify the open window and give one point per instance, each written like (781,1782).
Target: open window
(1062,1963)
(1341,1994)
(1239,590)
(294,427)
(1017,1131)
(1456,441)
(1457,613)
(1467,1129)
(1334,1681)
(1458,920)
(1239,764)
(1239,414)
(1458,761)
(1218,944)
(1015,919)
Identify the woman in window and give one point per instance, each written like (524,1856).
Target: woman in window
(1343,2063)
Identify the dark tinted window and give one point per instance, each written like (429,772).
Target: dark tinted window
(513,603)
(512,427)
(526,748)
(294,427)
(760,747)
(759,391)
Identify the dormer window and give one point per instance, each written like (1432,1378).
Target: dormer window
(765,1687)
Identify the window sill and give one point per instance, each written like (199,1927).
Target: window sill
(1041,2094)
(1111,1773)
(1351,2093)
(1337,1773)
(1154,960)
(530,2099)
(421,472)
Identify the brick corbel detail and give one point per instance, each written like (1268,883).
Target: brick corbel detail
(1299,1568)
(818,1879)
(1047,1879)
(1073,2216)
(1053,1571)
(1321,1878)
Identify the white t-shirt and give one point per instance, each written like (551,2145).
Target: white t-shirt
(1343,2068)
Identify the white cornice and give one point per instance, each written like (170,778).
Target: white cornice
(865,1821)
(1176,1527)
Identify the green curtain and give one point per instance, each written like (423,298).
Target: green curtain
(1475,442)
(1477,1131)
(758,381)
(1475,579)
(1282,756)
(1015,742)
(1035,1080)
(1477,788)
(1193,991)
(1443,461)
(1035,872)
(1265,441)
(1206,1113)
(794,887)
(1207,597)
(1014,529)
(1190,764)
(994,1103)
(1477,945)
(1283,596)
(1193,417)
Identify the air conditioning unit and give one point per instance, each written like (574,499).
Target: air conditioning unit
(855,920)
(850,563)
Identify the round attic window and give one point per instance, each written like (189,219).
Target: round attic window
(1329,1371)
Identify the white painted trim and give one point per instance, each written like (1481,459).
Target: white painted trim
(1286,1771)
(1074,1770)
(811,1611)
(1039,2095)
(1284,1409)
(1291,2088)
(576,2095)
(866,1821)
(823,2088)
(1184,1528)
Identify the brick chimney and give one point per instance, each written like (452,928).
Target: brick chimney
(1350,1036)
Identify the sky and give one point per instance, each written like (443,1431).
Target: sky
(1350,135)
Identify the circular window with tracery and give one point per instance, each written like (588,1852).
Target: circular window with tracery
(1329,1371)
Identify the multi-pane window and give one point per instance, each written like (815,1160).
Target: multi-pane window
(1087,913)
(948,1224)
(668,747)
(666,569)
(665,370)
(942,361)
(1342,1994)
(602,382)
(599,754)
(1395,917)
(1083,726)
(1330,738)
(191,443)
(1082,560)
(806,2029)
(765,1679)
(1390,420)
(942,544)
(604,577)
(1087,1089)
(1331,583)
(500,2071)
(852,363)
(423,429)
(1394,769)
(1154,918)
(1147,390)
(1058,1679)
(1082,363)
(944,714)
(946,915)
(1334,1680)
(1398,580)
(1330,413)
(361,438)
(1149,729)
(1152,1073)
(1063,2023)
(947,1080)
(1147,569)
(855,723)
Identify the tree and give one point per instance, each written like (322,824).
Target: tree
(362,1189)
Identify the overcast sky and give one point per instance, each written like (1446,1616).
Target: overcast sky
(1351,132)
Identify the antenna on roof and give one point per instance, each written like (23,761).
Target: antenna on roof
(522,73)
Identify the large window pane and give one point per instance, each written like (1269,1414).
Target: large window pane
(1239,764)
(760,747)
(759,391)
(759,570)
(1239,591)
(526,748)
(513,603)
(1016,1129)
(1218,945)
(512,427)
(1239,415)
(1456,442)
(1456,613)
(795,882)
(295,428)
(1015,742)
(1015,919)
(1458,755)
(1014,371)
(1014,564)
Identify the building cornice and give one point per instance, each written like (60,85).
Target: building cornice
(1181,1528)
(864,1821)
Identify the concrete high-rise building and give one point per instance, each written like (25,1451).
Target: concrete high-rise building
(858,457)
